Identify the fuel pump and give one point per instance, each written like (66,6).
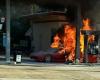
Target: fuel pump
(90,47)
(92,52)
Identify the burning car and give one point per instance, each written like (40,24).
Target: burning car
(50,55)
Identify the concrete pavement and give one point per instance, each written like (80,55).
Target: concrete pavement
(49,71)
(30,70)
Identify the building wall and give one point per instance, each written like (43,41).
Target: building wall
(42,34)
(94,13)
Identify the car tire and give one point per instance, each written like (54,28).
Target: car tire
(48,58)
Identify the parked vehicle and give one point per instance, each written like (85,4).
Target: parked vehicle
(51,55)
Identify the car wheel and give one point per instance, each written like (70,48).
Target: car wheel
(48,58)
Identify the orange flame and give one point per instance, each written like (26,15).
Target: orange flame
(86,24)
(67,39)
(55,43)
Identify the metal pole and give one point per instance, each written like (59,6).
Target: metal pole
(86,47)
(8,31)
(78,34)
